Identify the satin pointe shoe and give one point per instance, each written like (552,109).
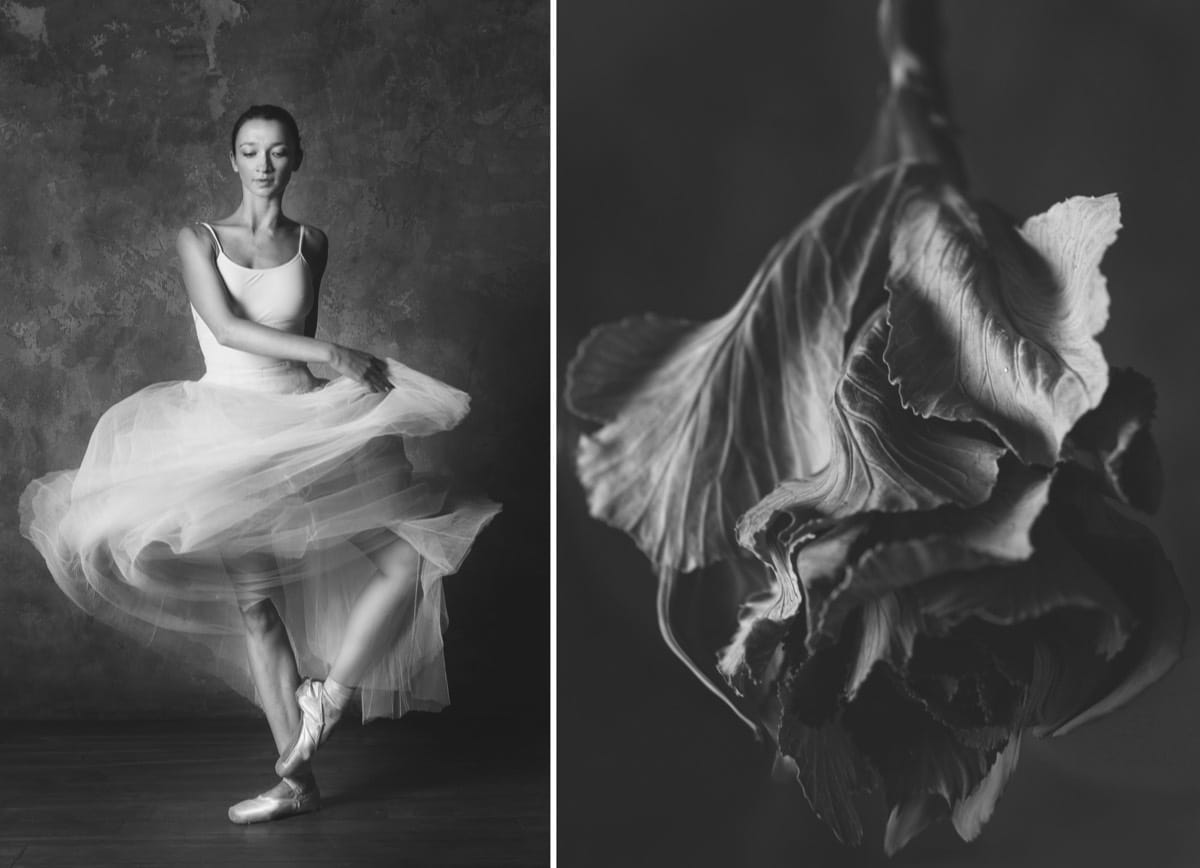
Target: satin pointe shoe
(286,799)
(317,717)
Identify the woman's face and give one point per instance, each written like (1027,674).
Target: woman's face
(264,157)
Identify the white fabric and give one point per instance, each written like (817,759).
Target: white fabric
(260,480)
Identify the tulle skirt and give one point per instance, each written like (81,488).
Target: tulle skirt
(198,499)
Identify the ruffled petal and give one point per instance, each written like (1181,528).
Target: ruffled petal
(1131,559)
(831,769)
(1113,441)
(883,457)
(970,815)
(701,420)
(996,325)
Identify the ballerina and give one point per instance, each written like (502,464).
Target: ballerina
(259,520)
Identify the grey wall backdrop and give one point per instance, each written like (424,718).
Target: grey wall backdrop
(426,130)
(691,136)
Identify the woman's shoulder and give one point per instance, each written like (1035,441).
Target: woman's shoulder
(315,238)
(316,243)
(196,237)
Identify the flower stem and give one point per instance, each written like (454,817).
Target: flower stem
(914,123)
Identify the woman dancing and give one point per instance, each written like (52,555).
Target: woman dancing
(259,520)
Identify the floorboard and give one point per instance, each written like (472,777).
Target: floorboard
(425,790)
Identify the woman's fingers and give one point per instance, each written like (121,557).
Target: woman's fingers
(373,372)
(376,376)
(381,372)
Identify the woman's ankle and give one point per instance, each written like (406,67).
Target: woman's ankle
(337,695)
(302,780)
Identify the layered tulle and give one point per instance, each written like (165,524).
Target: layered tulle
(196,499)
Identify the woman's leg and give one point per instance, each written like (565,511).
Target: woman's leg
(268,647)
(383,610)
(273,666)
(380,614)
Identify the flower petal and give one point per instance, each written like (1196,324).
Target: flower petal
(839,566)
(915,755)
(920,547)
(830,768)
(701,420)
(1056,577)
(883,458)
(831,772)
(997,325)
(1131,559)
(970,815)
(909,818)
(1114,442)
(695,619)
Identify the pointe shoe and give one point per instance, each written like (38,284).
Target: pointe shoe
(286,799)
(317,717)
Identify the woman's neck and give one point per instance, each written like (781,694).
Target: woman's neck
(261,216)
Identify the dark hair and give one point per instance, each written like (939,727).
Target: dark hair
(267,113)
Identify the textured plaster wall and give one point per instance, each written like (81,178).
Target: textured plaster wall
(426,130)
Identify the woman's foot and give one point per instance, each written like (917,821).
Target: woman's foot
(286,799)
(318,715)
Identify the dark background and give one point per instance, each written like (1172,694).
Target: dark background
(691,136)
(426,130)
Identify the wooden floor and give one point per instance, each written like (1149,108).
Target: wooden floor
(431,789)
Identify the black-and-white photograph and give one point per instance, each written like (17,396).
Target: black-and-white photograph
(875,433)
(274,511)
(599,434)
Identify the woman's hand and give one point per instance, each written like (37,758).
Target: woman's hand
(361,368)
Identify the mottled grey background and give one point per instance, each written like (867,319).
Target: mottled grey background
(426,130)
(691,136)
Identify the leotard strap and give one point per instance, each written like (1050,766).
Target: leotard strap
(220,249)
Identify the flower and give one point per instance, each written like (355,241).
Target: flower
(916,431)
(907,420)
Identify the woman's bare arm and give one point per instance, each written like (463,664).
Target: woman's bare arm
(316,253)
(210,298)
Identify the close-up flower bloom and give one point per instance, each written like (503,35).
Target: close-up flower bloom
(905,444)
